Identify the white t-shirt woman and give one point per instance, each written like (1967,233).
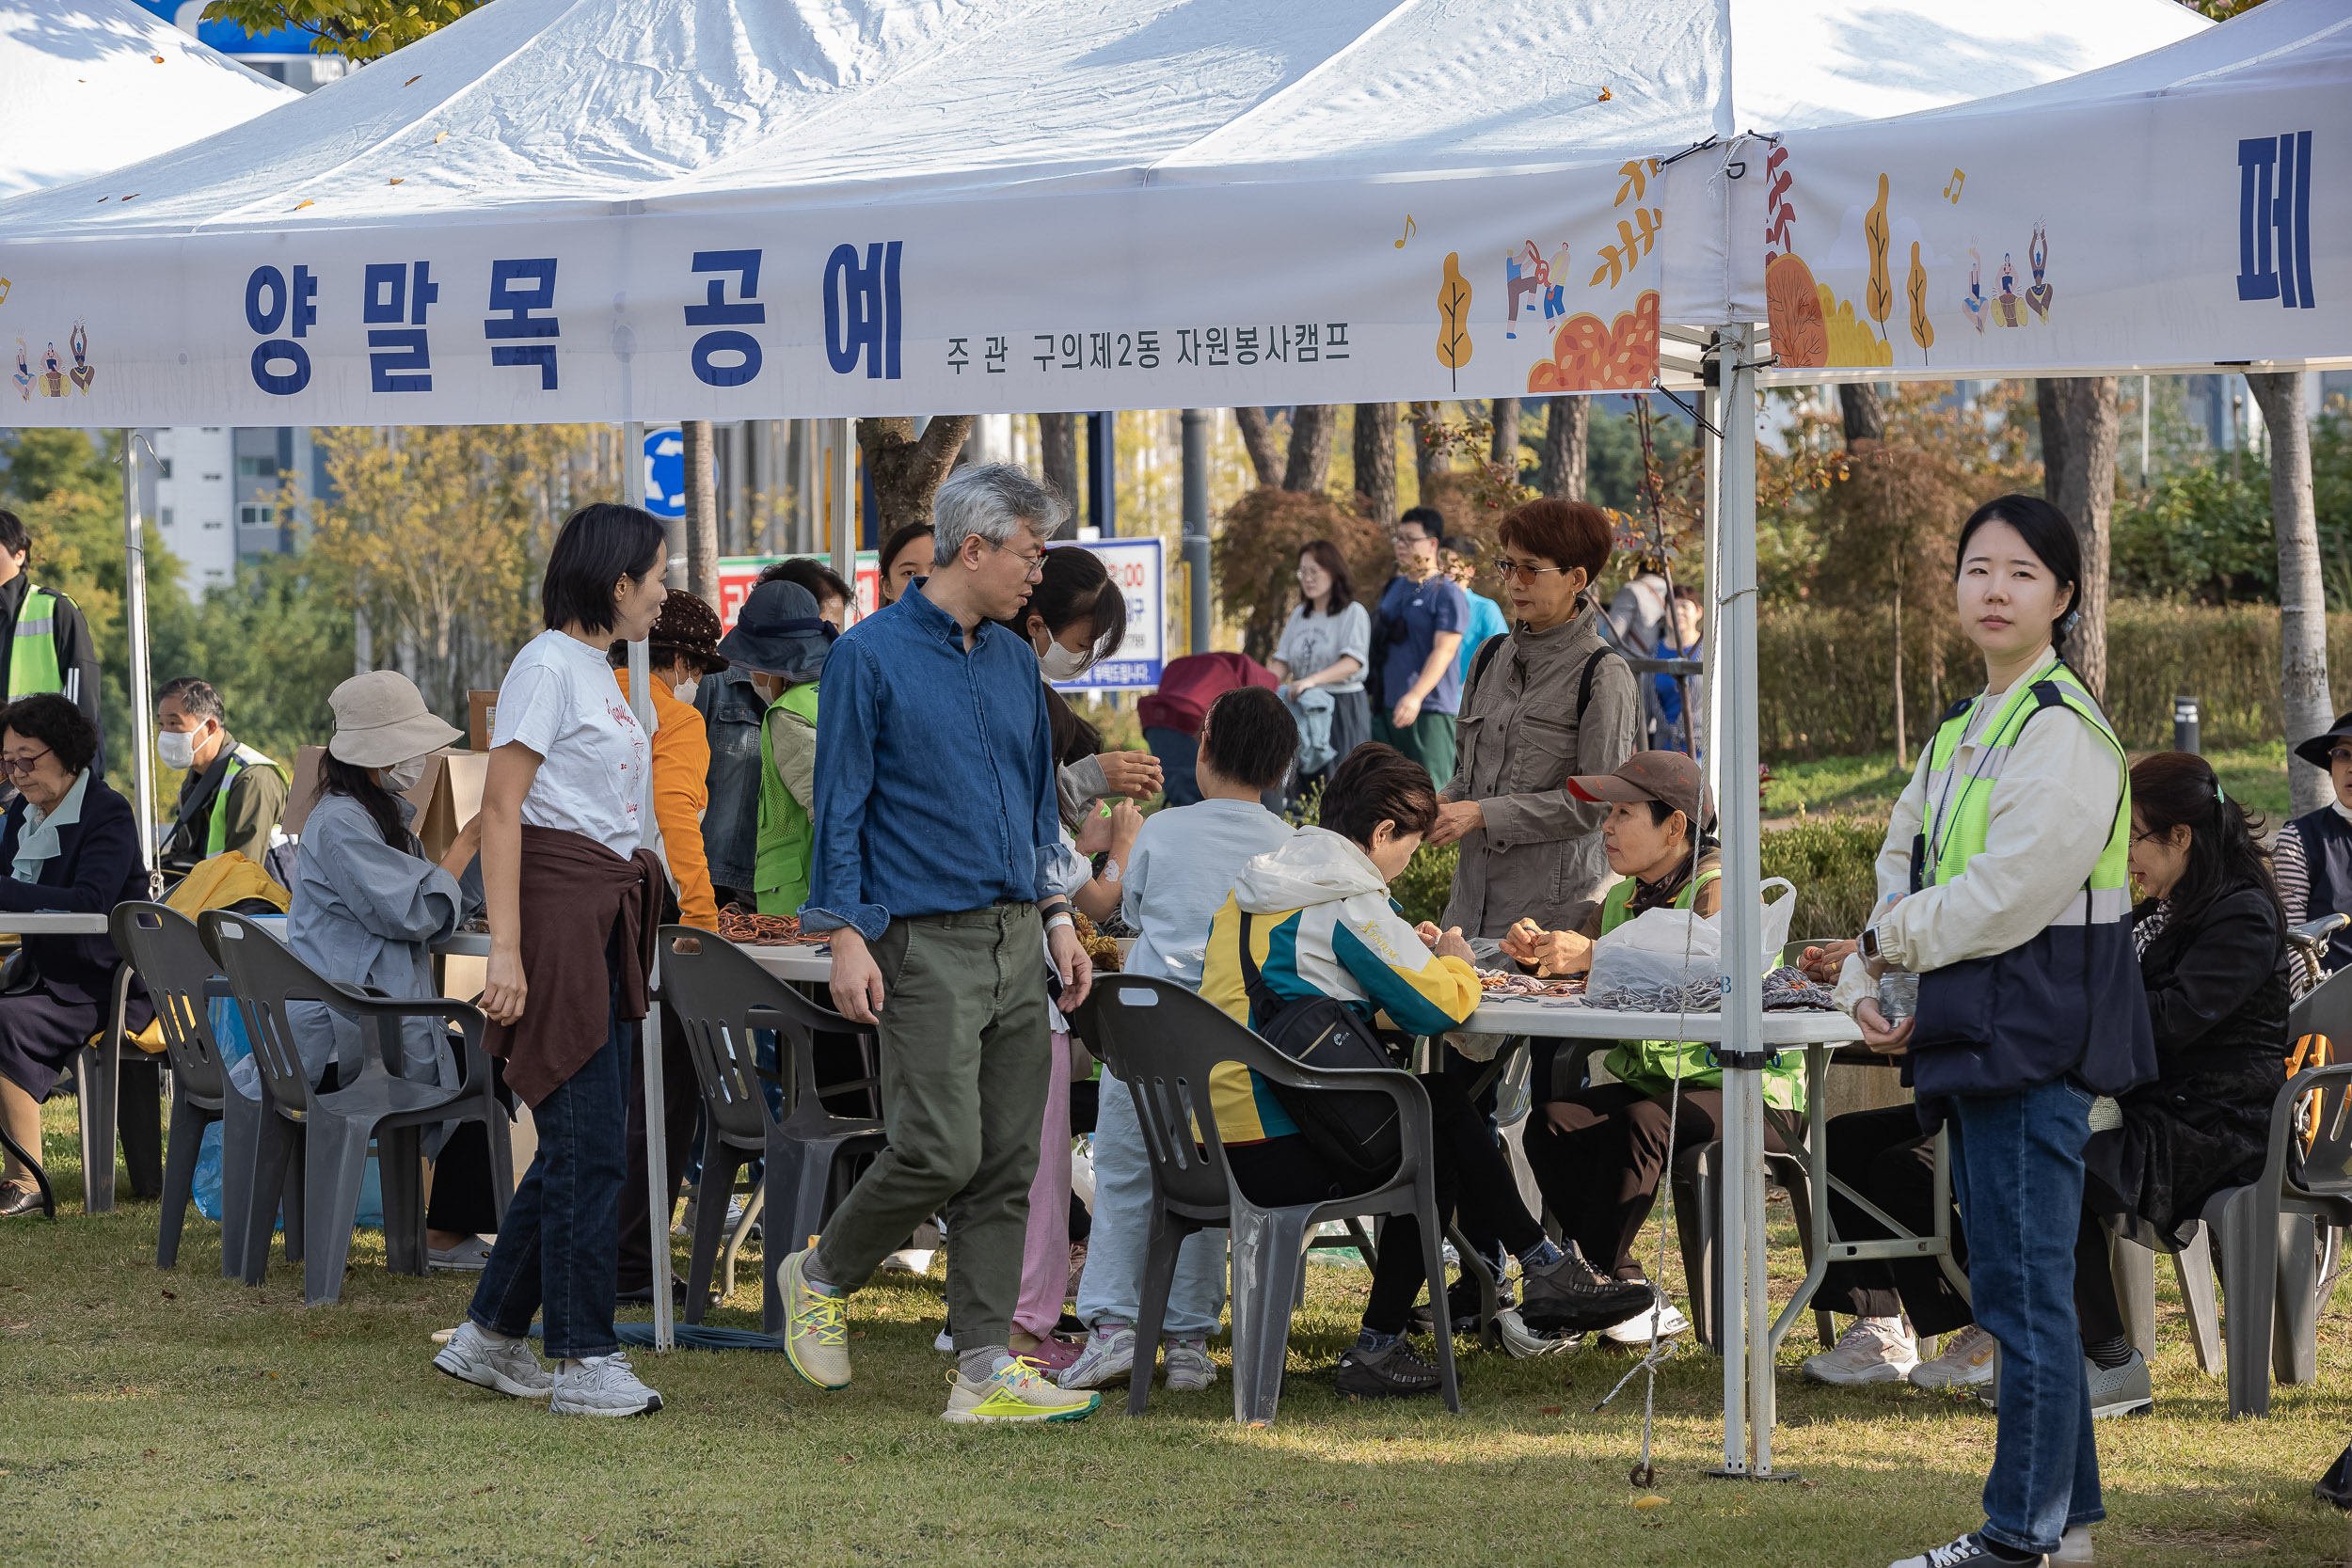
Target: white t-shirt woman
(559,699)
(1311,642)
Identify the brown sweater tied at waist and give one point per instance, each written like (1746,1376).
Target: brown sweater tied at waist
(572,893)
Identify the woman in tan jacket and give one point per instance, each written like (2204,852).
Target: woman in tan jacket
(1543,705)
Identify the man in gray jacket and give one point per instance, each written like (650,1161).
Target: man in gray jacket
(1548,701)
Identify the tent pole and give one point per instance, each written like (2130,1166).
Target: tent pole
(649,1042)
(840,493)
(1197,586)
(142,682)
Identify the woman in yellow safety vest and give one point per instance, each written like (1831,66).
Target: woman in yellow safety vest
(2003,887)
(779,639)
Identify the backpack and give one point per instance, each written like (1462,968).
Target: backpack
(1354,1132)
(1493,645)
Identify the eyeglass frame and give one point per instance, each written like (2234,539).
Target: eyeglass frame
(1520,571)
(17,766)
(1035,564)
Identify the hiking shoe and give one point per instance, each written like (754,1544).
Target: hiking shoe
(2074,1547)
(816,1335)
(1106,1358)
(1186,1365)
(601,1386)
(1969,1551)
(1520,1342)
(1571,1295)
(1015,1394)
(1874,1349)
(1965,1362)
(1461,1303)
(487,1360)
(1635,1330)
(1392,1371)
(2120,1390)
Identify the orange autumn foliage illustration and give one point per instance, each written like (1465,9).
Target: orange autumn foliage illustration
(1588,356)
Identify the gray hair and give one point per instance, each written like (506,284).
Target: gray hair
(992,501)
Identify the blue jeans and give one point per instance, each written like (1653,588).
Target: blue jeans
(1111,1289)
(2017,1170)
(559,1250)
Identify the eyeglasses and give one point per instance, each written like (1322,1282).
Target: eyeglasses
(2340,755)
(22,765)
(1034,564)
(1404,538)
(1523,571)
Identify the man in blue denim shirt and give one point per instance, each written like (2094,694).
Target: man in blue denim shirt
(936,811)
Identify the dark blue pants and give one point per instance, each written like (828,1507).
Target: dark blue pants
(2017,1170)
(559,1250)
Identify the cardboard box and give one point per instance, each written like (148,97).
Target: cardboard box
(481,718)
(447,797)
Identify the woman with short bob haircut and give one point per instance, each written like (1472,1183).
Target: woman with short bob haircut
(2004,887)
(575,899)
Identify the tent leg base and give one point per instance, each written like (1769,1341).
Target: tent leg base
(1725,1472)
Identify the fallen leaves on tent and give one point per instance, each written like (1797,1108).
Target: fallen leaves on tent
(305,202)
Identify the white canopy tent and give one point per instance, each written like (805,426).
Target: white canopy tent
(93,85)
(594,210)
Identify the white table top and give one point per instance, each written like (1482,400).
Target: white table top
(53,925)
(785,963)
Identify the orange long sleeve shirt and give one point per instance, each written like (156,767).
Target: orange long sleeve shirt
(681,792)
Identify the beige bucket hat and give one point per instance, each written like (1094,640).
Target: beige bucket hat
(381,720)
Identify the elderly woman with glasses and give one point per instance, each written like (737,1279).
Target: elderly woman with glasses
(68,844)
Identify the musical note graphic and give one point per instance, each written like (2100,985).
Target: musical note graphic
(1408,230)
(1951,189)
(3,290)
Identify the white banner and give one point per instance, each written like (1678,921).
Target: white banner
(1154,298)
(2170,231)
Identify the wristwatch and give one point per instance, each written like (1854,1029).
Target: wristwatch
(1869,943)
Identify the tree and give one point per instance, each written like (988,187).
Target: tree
(905,470)
(1864,412)
(1567,440)
(1429,452)
(702,511)
(1504,453)
(1257,435)
(1312,427)
(1376,461)
(2078,477)
(1256,558)
(356,29)
(1056,457)
(2302,597)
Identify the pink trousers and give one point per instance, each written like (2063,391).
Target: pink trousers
(1045,1252)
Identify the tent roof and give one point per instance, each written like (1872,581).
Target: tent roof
(546,107)
(93,85)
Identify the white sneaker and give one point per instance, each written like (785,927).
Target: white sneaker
(1186,1365)
(470,1256)
(1107,1356)
(1874,1349)
(486,1360)
(1521,1341)
(2074,1547)
(1965,1362)
(1635,1330)
(913,1260)
(601,1386)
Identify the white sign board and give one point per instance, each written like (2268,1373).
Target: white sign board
(1139,568)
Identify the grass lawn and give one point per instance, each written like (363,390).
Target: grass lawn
(176,1417)
(1866,786)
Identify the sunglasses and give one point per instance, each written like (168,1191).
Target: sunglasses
(16,766)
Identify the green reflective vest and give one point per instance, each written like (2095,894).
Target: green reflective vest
(217,836)
(33,654)
(1652,1066)
(2068,999)
(780,864)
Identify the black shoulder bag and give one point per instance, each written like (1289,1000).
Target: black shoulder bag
(1354,1131)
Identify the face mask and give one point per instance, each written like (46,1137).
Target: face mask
(685,692)
(177,748)
(1060,664)
(403,777)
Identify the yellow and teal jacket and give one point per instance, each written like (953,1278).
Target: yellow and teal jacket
(1322,925)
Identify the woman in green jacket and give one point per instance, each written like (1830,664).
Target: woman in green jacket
(779,639)
(1598,1151)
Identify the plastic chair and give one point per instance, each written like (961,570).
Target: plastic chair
(332,1129)
(1698,1231)
(1164,1041)
(168,953)
(722,998)
(97,1071)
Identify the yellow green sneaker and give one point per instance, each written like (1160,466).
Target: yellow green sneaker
(816,1336)
(1015,1394)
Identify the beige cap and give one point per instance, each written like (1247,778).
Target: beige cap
(381,720)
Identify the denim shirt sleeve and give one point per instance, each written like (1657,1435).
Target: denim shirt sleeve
(1045,814)
(847,722)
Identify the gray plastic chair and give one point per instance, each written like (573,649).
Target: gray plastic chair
(1164,1041)
(168,953)
(723,998)
(332,1131)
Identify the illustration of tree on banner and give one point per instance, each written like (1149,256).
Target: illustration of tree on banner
(1453,298)
(1922,329)
(1880,299)
(355,29)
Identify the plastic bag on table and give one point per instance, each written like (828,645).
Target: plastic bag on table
(1656,950)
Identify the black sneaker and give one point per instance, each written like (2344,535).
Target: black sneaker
(1970,1551)
(1572,1295)
(1390,1372)
(1461,1300)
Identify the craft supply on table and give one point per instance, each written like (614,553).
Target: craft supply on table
(739,924)
(1501,983)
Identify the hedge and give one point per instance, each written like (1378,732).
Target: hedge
(1825,677)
